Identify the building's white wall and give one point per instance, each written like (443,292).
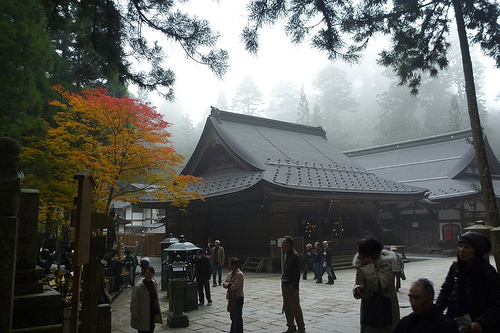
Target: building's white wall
(449,214)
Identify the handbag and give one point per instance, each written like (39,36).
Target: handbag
(377,310)
(230,305)
(403,276)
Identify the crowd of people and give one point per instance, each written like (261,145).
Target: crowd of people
(319,260)
(128,265)
(468,300)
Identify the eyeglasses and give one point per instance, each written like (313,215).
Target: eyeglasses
(415,297)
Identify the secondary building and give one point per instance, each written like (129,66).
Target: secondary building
(446,166)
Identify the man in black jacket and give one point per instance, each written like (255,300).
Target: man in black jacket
(290,287)
(202,276)
(426,317)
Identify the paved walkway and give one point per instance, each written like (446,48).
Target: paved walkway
(327,308)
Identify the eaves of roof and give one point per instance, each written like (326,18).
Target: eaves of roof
(334,179)
(226,182)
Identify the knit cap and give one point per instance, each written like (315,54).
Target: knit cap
(478,241)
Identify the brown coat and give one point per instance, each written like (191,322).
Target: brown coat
(221,256)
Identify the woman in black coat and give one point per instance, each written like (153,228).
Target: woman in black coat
(472,286)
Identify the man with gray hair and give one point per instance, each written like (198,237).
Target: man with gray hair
(426,318)
(217,261)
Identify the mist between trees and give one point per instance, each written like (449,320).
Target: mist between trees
(358,106)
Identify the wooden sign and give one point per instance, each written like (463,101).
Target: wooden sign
(83,217)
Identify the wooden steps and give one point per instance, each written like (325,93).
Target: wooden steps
(254,264)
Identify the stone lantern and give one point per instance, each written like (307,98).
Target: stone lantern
(182,251)
(177,285)
(181,248)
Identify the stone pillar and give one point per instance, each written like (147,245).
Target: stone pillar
(177,318)
(28,274)
(10,187)
(104,321)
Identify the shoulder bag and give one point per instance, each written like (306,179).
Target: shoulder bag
(377,310)
(230,304)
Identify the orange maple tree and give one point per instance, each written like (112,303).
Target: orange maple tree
(121,140)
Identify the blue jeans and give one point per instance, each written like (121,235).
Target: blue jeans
(217,269)
(237,317)
(317,270)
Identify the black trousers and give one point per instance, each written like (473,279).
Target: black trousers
(206,285)
(237,316)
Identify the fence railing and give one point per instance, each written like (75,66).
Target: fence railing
(142,244)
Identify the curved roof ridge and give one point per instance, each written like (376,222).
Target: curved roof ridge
(462,134)
(221,116)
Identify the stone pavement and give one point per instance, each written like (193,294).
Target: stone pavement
(326,308)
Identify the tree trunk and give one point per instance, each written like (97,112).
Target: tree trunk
(490,203)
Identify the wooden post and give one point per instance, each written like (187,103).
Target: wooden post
(93,284)
(120,245)
(82,222)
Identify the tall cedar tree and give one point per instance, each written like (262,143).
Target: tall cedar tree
(90,44)
(419,31)
(247,98)
(304,116)
(283,102)
(99,40)
(121,140)
(25,61)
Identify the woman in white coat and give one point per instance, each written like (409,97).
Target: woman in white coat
(374,276)
(144,305)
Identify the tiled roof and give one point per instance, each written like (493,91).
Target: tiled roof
(286,155)
(226,182)
(330,178)
(440,163)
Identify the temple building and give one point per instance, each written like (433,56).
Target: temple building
(263,179)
